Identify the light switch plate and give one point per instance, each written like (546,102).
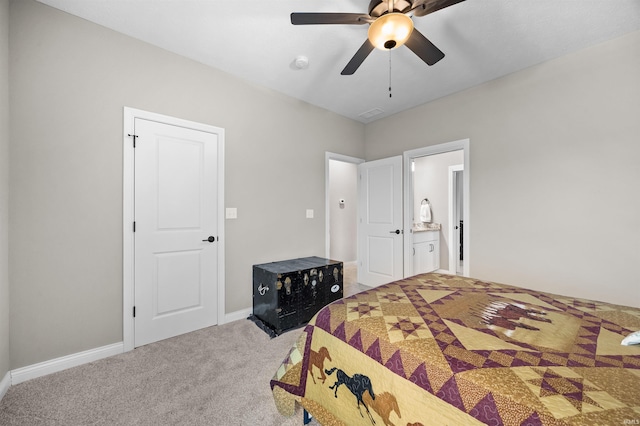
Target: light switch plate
(309,213)
(231,213)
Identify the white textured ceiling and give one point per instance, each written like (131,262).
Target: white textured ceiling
(255,40)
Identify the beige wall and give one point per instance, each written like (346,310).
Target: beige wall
(554,170)
(4,187)
(70,80)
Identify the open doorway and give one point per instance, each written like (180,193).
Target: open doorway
(436,225)
(341,215)
(341,204)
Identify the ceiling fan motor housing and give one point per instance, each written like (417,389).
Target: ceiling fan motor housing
(378,8)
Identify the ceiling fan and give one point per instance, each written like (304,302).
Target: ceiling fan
(390,26)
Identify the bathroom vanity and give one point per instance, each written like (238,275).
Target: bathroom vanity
(426,249)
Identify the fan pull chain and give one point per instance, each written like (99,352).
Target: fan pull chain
(389,72)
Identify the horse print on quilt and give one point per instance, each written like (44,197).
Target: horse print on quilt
(445,350)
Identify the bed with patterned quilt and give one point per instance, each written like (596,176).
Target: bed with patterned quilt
(439,349)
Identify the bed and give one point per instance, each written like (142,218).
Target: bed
(439,349)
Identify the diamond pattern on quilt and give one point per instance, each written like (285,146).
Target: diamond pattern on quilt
(358,310)
(401,328)
(564,392)
(392,297)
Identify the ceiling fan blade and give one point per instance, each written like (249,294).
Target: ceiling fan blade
(425,7)
(313,18)
(422,47)
(358,58)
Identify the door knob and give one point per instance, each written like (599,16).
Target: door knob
(210,239)
(397,231)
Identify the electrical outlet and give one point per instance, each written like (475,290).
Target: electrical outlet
(309,213)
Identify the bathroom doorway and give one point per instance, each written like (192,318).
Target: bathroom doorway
(437,176)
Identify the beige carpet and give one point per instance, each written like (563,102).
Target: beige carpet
(215,376)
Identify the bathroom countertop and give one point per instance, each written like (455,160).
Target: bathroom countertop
(420,227)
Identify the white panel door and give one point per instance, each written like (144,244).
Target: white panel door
(380,238)
(175,216)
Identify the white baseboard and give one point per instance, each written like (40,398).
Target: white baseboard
(29,372)
(237,315)
(5,383)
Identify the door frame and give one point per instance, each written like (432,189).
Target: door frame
(328,156)
(128,215)
(462,144)
(453,207)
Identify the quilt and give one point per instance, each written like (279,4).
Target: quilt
(447,350)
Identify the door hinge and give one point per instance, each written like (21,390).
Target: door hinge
(134,138)
(134,311)
(134,227)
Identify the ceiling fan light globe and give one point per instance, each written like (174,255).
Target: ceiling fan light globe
(391,29)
